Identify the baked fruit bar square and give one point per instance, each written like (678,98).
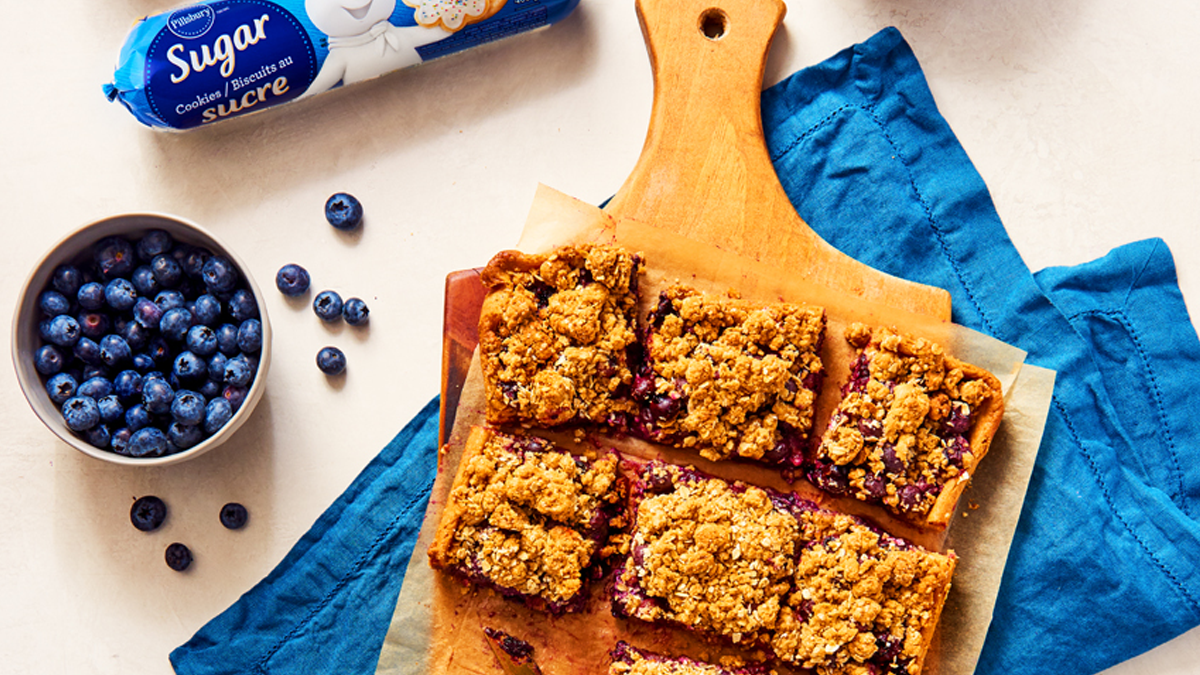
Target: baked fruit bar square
(731,378)
(912,425)
(629,660)
(708,555)
(862,601)
(528,519)
(555,335)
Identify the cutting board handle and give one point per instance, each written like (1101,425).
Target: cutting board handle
(705,171)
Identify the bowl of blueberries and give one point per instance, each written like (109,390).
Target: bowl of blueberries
(141,339)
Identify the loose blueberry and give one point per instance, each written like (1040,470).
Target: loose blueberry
(234,516)
(219,274)
(48,360)
(137,417)
(53,303)
(343,211)
(144,281)
(292,280)
(217,413)
(250,337)
(91,295)
(179,557)
(201,341)
(148,513)
(114,349)
(175,324)
(61,387)
(355,312)
(95,388)
(188,408)
(157,396)
(80,413)
(147,442)
(93,324)
(67,279)
(166,271)
(328,306)
(189,367)
(331,361)
(63,330)
(206,310)
(120,294)
(154,242)
(169,300)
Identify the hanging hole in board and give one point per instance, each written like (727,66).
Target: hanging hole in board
(714,23)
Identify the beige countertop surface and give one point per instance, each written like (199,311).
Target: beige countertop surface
(1080,116)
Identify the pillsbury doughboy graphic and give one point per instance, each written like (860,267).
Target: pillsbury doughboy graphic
(363,43)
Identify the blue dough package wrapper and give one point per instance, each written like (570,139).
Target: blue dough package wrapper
(223,58)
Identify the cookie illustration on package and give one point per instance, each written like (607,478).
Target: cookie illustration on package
(452,15)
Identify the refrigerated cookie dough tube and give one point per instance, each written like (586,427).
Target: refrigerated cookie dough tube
(217,59)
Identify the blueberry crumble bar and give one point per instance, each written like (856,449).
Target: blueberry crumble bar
(863,602)
(708,555)
(555,335)
(911,426)
(529,519)
(629,660)
(730,378)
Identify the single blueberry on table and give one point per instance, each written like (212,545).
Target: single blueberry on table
(53,303)
(201,341)
(120,294)
(143,280)
(331,360)
(234,515)
(114,257)
(189,367)
(67,279)
(90,295)
(80,413)
(114,349)
(219,274)
(355,312)
(343,211)
(93,324)
(184,436)
(179,557)
(169,300)
(206,309)
(95,388)
(48,360)
(148,441)
(166,270)
(120,440)
(148,513)
(111,410)
(61,387)
(188,408)
(87,350)
(175,324)
(292,280)
(242,305)
(154,242)
(227,335)
(157,396)
(328,306)
(216,414)
(98,436)
(250,336)
(63,330)
(137,417)
(238,371)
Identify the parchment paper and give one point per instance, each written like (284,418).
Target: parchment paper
(437,625)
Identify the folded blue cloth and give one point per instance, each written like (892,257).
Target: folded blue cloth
(1104,564)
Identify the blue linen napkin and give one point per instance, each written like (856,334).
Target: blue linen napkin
(1105,563)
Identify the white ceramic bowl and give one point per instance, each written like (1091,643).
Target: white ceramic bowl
(74,248)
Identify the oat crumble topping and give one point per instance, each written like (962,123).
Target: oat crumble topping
(554,331)
(731,377)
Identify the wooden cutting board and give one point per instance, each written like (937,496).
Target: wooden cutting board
(705,171)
